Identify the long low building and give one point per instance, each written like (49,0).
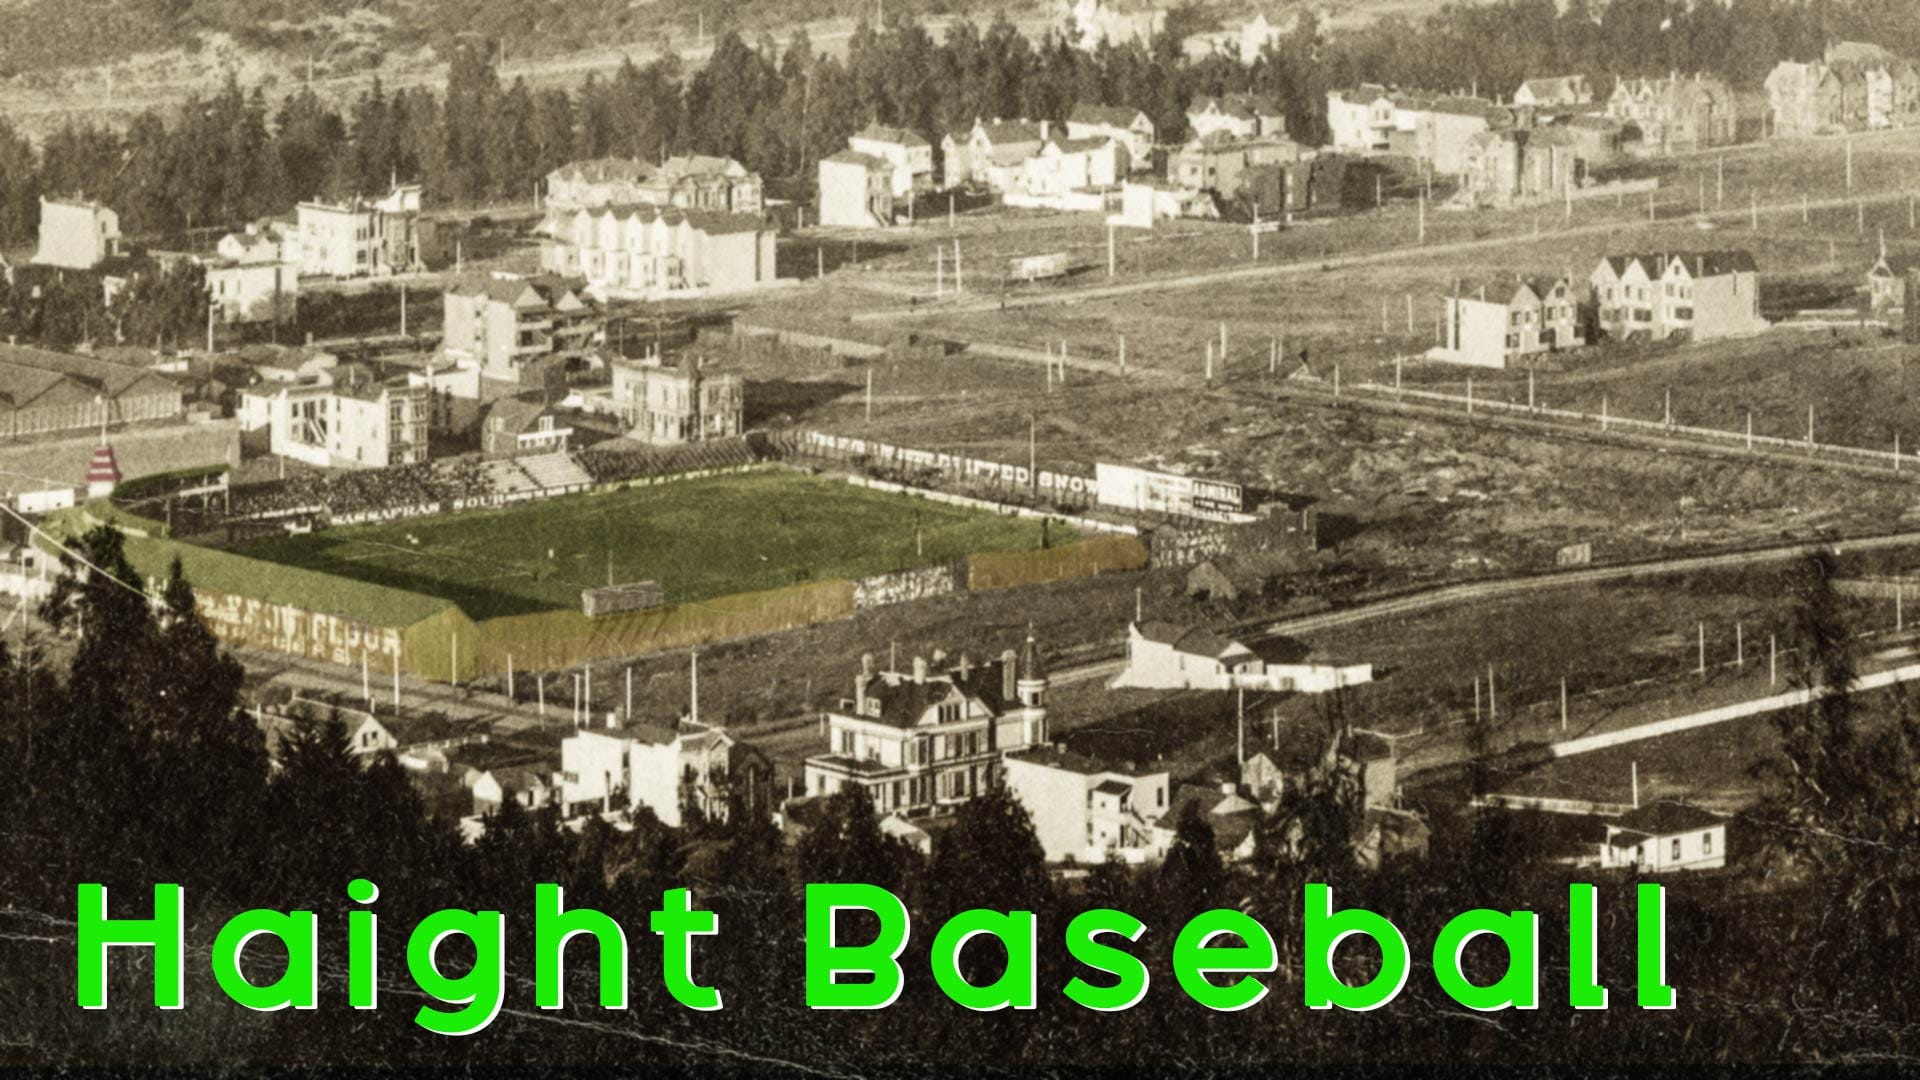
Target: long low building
(43,391)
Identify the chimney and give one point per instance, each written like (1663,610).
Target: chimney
(1227,787)
(1044,127)
(1699,266)
(1009,665)
(919,669)
(966,667)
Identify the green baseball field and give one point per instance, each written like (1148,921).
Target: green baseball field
(697,538)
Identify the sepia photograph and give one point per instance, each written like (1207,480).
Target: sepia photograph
(841,538)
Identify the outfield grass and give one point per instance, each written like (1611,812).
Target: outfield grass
(698,538)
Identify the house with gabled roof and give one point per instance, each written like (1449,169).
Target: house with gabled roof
(1131,128)
(1554,92)
(1665,835)
(1703,295)
(646,251)
(1165,656)
(991,154)
(909,156)
(1245,116)
(505,322)
(585,185)
(1499,323)
(921,741)
(1676,114)
(1360,119)
(1887,281)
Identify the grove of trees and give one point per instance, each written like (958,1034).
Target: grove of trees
(779,107)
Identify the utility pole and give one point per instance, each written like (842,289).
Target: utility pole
(1243,727)
(1033,451)
(1703,649)
(869,395)
(1563,704)
(629,711)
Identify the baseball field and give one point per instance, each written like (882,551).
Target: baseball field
(698,538)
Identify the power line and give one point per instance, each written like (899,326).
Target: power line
(74,555)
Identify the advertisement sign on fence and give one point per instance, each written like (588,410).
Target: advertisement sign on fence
(1143,490)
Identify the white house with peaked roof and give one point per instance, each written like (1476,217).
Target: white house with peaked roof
(1162,656)
(1130,127)
(909,155)
(1665,836)
(1241,115)
(1555,92)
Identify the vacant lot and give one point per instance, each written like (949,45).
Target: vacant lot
(699,539)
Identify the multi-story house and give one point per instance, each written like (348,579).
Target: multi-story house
(588,185)
(856,191)
(1514,167)
(1499,324)
(1704,295)
(1244,116)
(347,418)
(1445,127)
(76,234)
(513,327)
(920,741)
(909,155)
(1085,810)
(360,237)
(689,768)
(1360,119)
(651,252)
(702,182)
(1223,164)
(1131,128)
(1090,23)
(1555,92)
(1676,114)
(1804,98)
(671,402)
(990,154)
(1062,166)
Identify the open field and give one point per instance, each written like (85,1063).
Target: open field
(698,538)
(1357,315)
(1403,498)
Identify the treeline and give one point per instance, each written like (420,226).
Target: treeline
(778,109)
(133,763)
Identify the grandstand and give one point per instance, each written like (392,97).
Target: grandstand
(556,472)
(437,486)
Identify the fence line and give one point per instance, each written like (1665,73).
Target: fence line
(1606,422)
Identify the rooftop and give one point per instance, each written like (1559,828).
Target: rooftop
(1666,818)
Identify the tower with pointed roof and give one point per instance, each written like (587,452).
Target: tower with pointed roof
(1032,685)
(103,474)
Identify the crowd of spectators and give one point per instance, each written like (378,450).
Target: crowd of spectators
(612,464)
(337,494)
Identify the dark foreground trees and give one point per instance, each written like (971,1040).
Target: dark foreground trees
(133,763)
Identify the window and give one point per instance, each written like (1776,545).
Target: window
(846,742)
(1706,843)
(1676,848)
(1160,796)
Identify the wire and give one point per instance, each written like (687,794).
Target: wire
(74,555)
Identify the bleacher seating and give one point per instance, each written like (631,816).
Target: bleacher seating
(407,486)
(556,471)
